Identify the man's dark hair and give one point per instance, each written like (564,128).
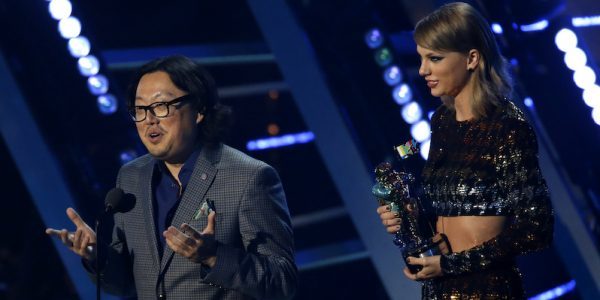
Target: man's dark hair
(193,79)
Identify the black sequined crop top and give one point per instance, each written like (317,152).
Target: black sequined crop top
(483,167)
(480,167)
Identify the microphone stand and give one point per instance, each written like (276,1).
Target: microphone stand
(98,273)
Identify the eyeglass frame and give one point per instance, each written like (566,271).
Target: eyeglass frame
(151,107)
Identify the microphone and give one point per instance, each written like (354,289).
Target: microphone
(117,201)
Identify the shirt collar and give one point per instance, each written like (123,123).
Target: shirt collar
(186,170)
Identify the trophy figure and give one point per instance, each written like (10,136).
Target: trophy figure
(416,236)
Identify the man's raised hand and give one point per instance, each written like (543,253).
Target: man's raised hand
(82,241)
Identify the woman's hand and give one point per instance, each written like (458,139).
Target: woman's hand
(430,264)
(390,219)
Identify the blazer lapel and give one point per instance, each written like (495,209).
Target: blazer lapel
(202,178)
(146,191)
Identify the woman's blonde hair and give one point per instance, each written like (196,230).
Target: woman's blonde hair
(458,27)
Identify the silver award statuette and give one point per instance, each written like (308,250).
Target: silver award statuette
(416,236)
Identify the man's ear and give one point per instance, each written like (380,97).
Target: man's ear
(473,59)
(199,118)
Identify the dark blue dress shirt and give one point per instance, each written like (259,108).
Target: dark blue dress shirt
(167,194)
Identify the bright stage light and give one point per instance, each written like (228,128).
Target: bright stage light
(392,75)
(374,38)
(565,39)
(60,9)
(537,26)
(79,46)
(88,65)
(411,112)
(107,104)
(425,149)
(497,28)
(584,77)
(69,27)
(575,58)
(591,96)
(421,131)
(402,94)
(98,84)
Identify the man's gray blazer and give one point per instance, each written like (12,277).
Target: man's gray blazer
(253,230)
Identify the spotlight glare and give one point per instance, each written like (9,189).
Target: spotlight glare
(60,9)
(107,104)
(584,77)
(528,102)
(79,46)
(402,94)
(537,26)
(497,28)
(565,39)
(430,114)
(373,38)
(421,131)
(596,115)
(575,58)
(88,65)
(392,75)
(411,112)
(127,156)
(69,27)
(425,149)
(591,96)
(383,57)
(98,84)
(585,21)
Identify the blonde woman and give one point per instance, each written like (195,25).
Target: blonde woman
(482,177)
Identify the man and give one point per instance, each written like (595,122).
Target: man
(157,248)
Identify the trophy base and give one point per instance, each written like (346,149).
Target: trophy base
(436,245)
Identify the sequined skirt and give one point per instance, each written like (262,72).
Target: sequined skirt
(499,283)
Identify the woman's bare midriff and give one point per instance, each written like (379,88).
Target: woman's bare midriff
(466,232)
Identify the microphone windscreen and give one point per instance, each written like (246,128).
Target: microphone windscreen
(113,200)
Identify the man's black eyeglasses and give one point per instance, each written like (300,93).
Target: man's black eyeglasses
(158,109)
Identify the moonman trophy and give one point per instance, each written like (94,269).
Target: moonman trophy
(416,236)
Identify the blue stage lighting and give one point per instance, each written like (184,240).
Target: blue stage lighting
(555,292)
(497,28)
(575,58)
(374,38)
(60,9)
(584,77)
(596,115)
(402,94)
(421,131)
(98,84)
(383,57)
(585,21)
(537,26)
(107,104)
(280,141)
(528,102)
(591,96)
(392,75)
(127,156)
(430,114)
(69,27)
(411,112)
(565,39)
(425,149)
(88,65)
(79,46)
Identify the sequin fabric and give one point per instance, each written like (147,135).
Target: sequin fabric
(487,167)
